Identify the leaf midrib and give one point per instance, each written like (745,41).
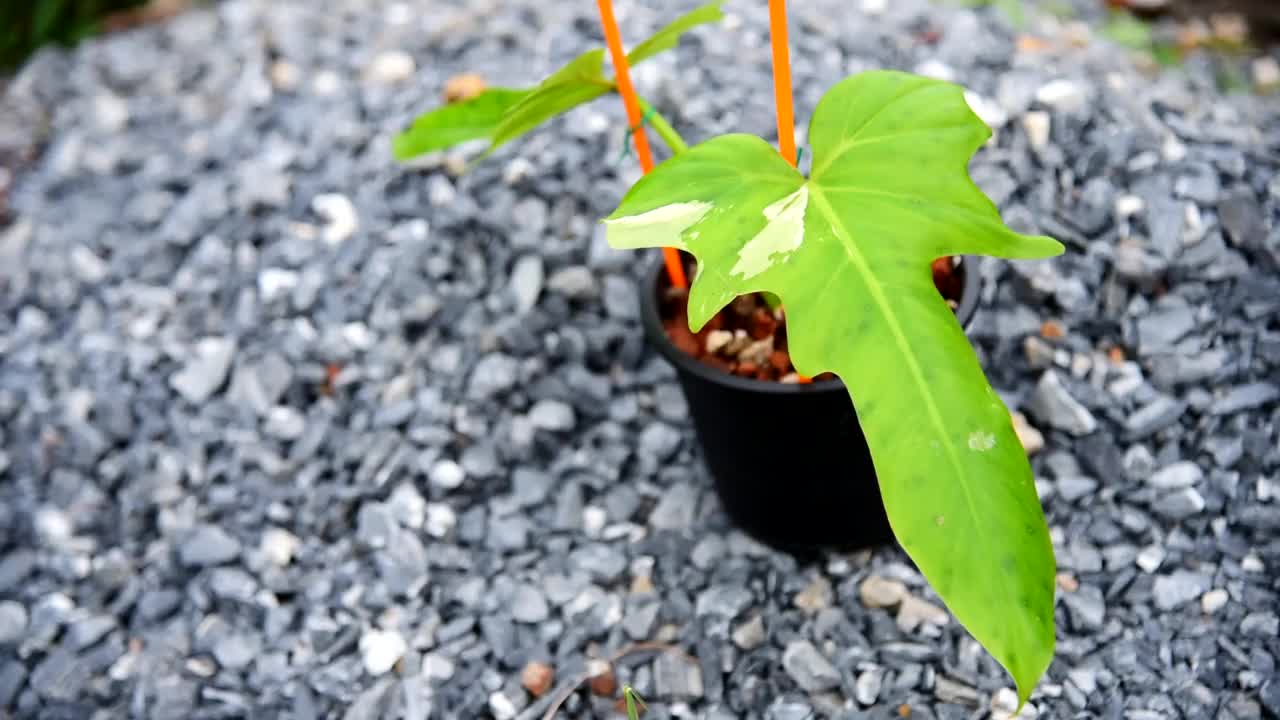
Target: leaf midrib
(878,296)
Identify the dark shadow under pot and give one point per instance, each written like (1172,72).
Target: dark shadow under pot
(789,461)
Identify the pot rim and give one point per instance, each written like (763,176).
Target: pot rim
(651,318)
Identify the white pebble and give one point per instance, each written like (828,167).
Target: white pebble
(284,75)
(446,474)
(393,66)
(327,83)
(1214,600)
(407,506)
(990,111)
(88,267)
(593,520)
(52,525)
(937,70)
(1150,558)
(440,520)
(717,340)
(437,667)
(516,170)
(341,220)
(1267,490)
(1037,125)
(1266,73)
(357,335)
(501,706)
(1004,706)
(398,14)
(279,546)
(381,650)
(1064,95)
(1129,205)
(111,113)
(275,282)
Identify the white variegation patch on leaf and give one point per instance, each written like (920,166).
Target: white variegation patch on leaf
(782,235)
(848,252)
(636,231)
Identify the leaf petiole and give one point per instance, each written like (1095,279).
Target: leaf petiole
(663,128)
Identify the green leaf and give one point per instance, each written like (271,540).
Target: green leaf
(848,251)
(581,81)
(669,36)
(459,122)
(503,114)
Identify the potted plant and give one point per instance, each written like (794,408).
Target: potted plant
(829,275)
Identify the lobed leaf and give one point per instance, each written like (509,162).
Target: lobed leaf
(848,251)
(669,36)
(449,125)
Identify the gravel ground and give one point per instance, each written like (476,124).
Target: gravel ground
(290,431)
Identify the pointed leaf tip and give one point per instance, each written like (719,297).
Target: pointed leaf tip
(669,36)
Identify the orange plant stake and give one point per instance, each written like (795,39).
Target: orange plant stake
(613,39)
(782,89)
(782,80)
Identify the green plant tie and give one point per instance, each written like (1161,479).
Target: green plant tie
(631,131)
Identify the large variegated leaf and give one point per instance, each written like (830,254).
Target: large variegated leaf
(848,251)
(503,114)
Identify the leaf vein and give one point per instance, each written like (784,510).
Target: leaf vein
(839,149)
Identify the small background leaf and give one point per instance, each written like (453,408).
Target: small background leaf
(459,122)
(581,81)
(503,114)
(669,36)
(849,251)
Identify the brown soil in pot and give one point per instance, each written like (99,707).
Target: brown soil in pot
(749,339)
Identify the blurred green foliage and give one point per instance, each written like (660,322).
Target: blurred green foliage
(26,25)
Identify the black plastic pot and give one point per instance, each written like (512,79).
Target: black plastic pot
(790,462)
